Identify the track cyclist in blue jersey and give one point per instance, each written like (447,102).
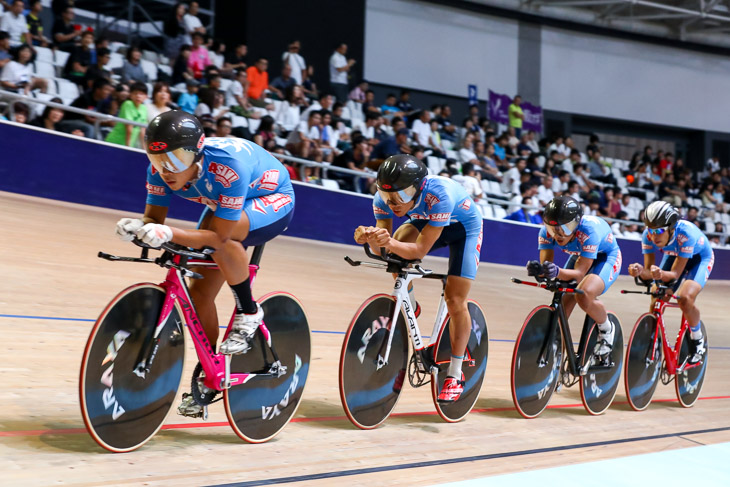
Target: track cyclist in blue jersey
(595,261)
(688,259)
(249,200)
(441,213)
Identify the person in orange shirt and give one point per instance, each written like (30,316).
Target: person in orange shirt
(258,82)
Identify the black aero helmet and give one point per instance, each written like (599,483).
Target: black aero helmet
(401,178)
(562,214)
(660,214)
(174,141)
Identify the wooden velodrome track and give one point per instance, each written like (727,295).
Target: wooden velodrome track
(50,270)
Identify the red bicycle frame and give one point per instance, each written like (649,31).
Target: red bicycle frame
(670,354)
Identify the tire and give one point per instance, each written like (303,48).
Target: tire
(598,389)
(122,410)
(369,394)
(641,376)
(260,408)
(477,351)
(688,384)
(533,385)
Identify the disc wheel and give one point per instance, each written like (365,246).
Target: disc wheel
(260,407)
(122,409)
(473,367)
(598,388)
(368,393)
(688,383)
(643,362)
(533,381)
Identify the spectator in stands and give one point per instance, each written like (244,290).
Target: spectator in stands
(119,96)
(545,190)
(258,82)
(325,102)
(35,26)
(666,163)
(512,178)
(265,136)
(670,191)
(217,53)
(523,148)
(161,100)
(647,157)
(612,207)
(466,153)
(559,146)
(560,184)
(693,217)
(592,145)
(236,97)
(98,70)
(389,108)
(574,190)
(223,127)
(448,130)
(237,59)
(404,103)
(595,168)
(51,117)
(212,102)
(525,215)
(188,101)
(516,116)
(181,70)
(17,75)
(434,141)
(20,112)
(469,179)
(82,56)
(580,176)
(65,33)
(96,99)
(280,85)
(326,137)
(373,131)
(713,164)
(487,165)
(369,103)
(134,110)
(358,93)
(13,22)
(308,86)
(527,190)
(288,114)
(193,24)
(393,145)
(500,149)
(132,69)
(356,159)
(174,30)
(199,59)
(214,81)
(531,142)
(5,56)
(339,68)
(421,129)
(295,61)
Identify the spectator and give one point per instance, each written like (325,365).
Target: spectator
(613,205)
(531,142)
(448,130)
(188,101)
(160,100)
(98,70)
(223,127)
(470,181)
(466,153)
(647,157)
(524,215)
(339,67)
(559,146)
(237,59)
(369,103)
(560,184)
(373,131)
(288,115)
(96,99)
(119,96)
(713,164)
(485,155)
(596,170)
(523,148)
(545,191)
(302,142)
(64,33)
(258,82)
(404,103)
(82,56)
(51,117)
(236,97)
(5,56)
(308,86)
(132,69)
(389,108)
(296,63)
(327,137)
(20,112)
(516,116)
(193,24)
(212,102)
(181,70)
(666,163)
(13,22)
(391,146)
(358,93)
(579,175)
(17,75)
(356,159)
(281,84)
(526,192)
(574,190)
(421,128)
(512,178)
(500,151)
(35,26)
(325,102)
(265,136)
(217,53)
(671,192)
(634,162)
(174,30)
(592,146)
(692,217)
(134,110)
(199,59)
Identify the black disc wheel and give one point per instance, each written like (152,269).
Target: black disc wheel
(473,367)
(122,405)
(688,383)
(599,385)
(369,389)
(260,407)
(643,362)
(536,362)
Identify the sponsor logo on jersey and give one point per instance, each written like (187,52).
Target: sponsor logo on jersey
(269,180)
(418,216)
(647,246)
(682,238)
(609,238)
(590,248)
(465,205)
(701,241)
(206,201)
(223,174)
(670,252)
(687,250)
(431,200)
(616,267)
(231,202)
(276,201)
(571,252)
(544,240)
(439,217)
(582,237)
(379,211)
(155,190)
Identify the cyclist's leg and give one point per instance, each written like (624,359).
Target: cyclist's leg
(569,299)
(695,277)
(603,273)
(409,232)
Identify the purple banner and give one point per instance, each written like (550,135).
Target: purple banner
(498,111)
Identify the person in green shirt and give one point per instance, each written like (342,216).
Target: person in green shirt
(135,110)
(516,116)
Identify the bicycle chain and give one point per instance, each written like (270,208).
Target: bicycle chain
(202,398)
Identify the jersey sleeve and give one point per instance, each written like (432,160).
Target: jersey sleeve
(590,243)
(545,241)
(233,181)
(380,209)
(439,206)
(158,193)
(687,242)
(647,246)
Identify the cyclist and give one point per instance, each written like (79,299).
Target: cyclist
(249,200)
(595,261)
(440,213)
(688,259)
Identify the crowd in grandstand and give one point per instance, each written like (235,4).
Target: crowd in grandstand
(510,173)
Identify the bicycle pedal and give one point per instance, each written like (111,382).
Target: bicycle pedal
(204,413)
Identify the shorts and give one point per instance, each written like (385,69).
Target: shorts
(268,216)
(697,268)
(605,266)
(464,250)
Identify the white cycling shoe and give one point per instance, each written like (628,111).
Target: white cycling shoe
(242,332)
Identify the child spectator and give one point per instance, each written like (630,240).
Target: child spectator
(134,110)
(188,101)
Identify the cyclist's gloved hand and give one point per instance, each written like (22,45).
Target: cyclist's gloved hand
(154,234)
(127,228)
(550,270)
(534,268)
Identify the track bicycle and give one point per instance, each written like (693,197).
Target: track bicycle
(544,358)
(650,356)
(133,360)
(375,353)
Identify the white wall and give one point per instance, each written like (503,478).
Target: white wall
(433,48)
(615,78)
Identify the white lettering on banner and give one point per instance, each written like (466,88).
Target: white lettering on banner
(439,217)
(155,190)
(223,174)
(231,202)
(270,412)
(107,377)
(431,200)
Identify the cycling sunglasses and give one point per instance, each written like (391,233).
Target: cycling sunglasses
(657,231)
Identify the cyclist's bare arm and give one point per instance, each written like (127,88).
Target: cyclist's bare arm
(417,249)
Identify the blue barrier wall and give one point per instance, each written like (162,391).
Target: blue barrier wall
(51,165)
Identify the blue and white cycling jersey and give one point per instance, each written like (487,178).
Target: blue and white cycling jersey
(593,236)
(237,175)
